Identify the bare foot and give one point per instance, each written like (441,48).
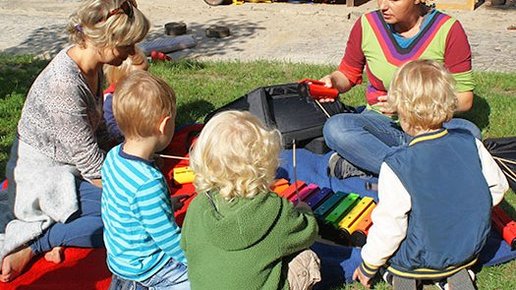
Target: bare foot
(15,263)
(55,255)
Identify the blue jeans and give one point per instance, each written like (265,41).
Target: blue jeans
(365,139)
(172,276)
(83,229)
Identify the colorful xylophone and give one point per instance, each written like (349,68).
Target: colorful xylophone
(344,218)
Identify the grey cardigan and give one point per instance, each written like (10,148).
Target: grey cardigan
(61,116)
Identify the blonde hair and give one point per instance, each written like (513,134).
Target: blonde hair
(423,94)
(140,103)
(91,22)
(137,61)
(235,155)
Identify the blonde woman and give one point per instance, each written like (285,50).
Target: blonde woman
(237,234)
(54,168)
(435,195)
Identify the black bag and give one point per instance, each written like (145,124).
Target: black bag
(289,110)
(503,151)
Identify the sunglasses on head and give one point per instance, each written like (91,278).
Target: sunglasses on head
(126,7)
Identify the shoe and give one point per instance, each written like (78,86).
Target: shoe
(341,168)
(387,276)
(443,284)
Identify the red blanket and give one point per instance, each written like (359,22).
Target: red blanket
(86,268)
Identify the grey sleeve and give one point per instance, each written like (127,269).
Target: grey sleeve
(77,117)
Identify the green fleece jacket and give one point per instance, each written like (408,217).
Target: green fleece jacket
(245,243)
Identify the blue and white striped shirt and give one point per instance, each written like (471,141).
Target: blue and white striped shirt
(139,228)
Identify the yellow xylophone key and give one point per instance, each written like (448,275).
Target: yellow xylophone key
(354,215)
(183,175)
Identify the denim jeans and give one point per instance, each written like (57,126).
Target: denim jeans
(172,276)
(83,229)
(365,139)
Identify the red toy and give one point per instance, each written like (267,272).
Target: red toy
(158,55)
(505,226)
(317,90)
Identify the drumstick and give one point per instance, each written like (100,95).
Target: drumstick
(322,108)
(295,169)
(173,157)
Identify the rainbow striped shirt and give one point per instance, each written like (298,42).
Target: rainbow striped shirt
(372,45)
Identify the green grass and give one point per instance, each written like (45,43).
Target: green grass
(204,86)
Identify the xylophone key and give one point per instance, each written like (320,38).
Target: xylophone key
(322,210)
(304,192)
(279,185)
(291,190)
(318,197)
(350,221)
(183,175)
(341,209)
(359,235)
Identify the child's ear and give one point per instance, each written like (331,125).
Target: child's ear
(163,124)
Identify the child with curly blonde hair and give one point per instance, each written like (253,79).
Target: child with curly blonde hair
(237,234)
(435,195)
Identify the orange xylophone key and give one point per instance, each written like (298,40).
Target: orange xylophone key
(279,185)
(359,234)
(349,223)
(291,190)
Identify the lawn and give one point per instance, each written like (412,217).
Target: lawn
(204,86)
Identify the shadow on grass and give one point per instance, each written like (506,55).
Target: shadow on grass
(479,114)
(18,73)
(46,41)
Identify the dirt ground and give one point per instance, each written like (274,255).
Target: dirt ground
(310,33)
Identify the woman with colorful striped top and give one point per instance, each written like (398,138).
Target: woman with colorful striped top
(380,42)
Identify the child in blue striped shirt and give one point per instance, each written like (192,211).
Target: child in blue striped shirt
(141,236)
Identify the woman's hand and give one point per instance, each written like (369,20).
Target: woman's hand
(336,80)
(384,106)
(329,84)
(359,276)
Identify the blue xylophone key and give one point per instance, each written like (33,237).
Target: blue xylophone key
(329,204)
(317,197)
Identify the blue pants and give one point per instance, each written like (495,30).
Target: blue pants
(172,276)
(83,229)
(365,139)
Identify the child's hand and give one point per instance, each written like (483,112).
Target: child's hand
(177,201)
(359,276)
(384,106)
(303,205)
(97,182)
